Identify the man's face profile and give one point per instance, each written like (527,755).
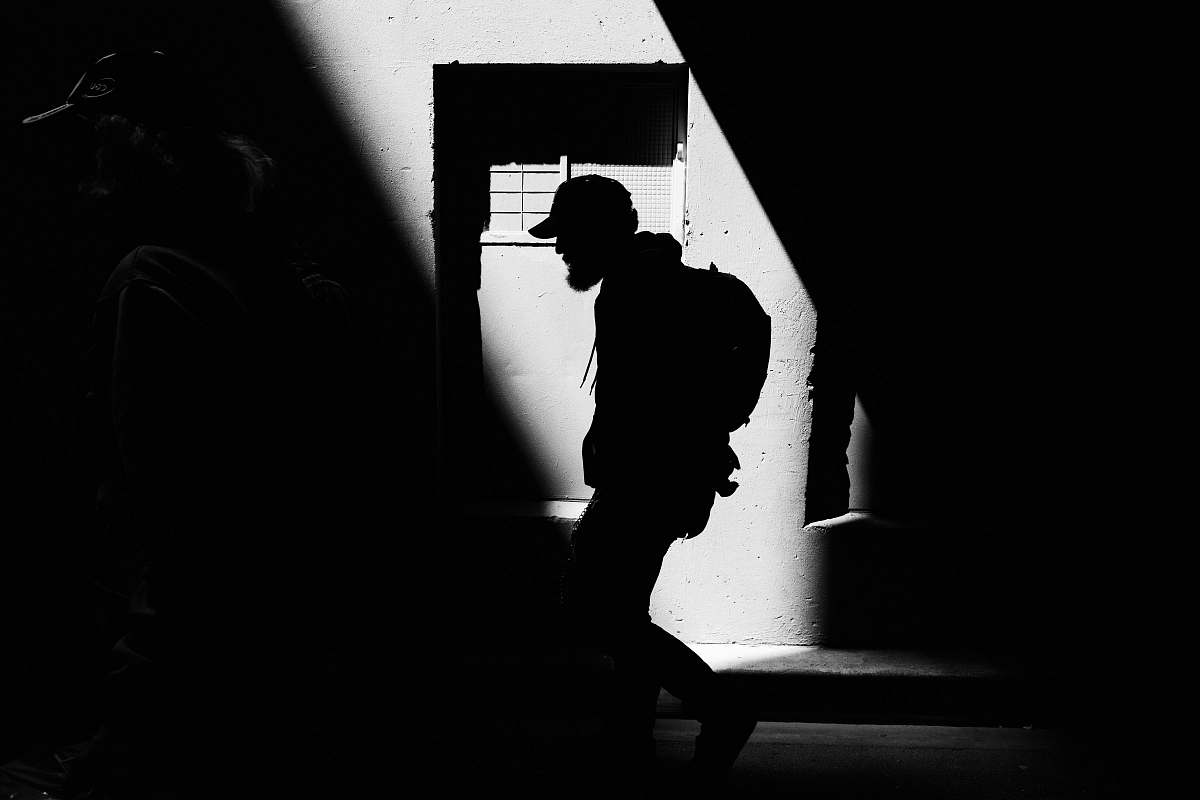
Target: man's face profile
(585,254)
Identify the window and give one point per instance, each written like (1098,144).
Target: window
(521,194)
(624,125)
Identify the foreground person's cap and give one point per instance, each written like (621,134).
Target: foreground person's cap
(137,83)
(580,200)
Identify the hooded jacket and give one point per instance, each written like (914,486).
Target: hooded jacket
(653,420)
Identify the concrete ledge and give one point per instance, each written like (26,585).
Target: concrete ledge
(863,520)
(818,684)
(824,661)
(885,584)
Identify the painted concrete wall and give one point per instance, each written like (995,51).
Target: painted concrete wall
(537,337)
(749,577)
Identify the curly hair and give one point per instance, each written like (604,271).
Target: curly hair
(180,177)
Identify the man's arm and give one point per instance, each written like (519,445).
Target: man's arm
(152,391)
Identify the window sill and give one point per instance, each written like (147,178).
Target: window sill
(569,508)
(521,238)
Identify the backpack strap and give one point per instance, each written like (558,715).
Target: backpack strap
(589,368)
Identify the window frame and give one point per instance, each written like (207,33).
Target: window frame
(678,200)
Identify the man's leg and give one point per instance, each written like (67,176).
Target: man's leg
(615,567)
(726,723)
(619,550)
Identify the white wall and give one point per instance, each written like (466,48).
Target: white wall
(748,578)
(537,337)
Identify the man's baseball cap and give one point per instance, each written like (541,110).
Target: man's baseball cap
(584,199)
(135,83)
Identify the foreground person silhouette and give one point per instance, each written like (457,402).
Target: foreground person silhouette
(656,455)
(198,353)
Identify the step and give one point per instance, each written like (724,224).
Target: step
(820,684)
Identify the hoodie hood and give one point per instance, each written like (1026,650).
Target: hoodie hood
(657,247)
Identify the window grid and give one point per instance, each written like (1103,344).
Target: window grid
(642,150)
(649,188)
(521,194)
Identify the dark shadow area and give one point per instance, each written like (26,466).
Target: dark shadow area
(888,585)
(944,209)
(369,533)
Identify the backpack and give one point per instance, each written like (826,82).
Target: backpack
(737,333)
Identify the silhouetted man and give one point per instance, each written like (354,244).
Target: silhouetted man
(200,452)
(656,455)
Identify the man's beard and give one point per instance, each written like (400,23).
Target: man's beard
(581,278)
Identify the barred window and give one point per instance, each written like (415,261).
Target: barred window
(521,194)
(625,126)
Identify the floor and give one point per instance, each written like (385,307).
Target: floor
(782,759)
(795,759)
(813,760)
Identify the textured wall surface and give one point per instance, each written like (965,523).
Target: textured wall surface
(748,577)
(537,336)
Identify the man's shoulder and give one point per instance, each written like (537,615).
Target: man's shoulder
(153,264)
(191,281)
(648,273)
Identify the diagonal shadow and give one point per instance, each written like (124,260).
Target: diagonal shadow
(397,566)
(914,164)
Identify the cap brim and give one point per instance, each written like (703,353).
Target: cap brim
(50,113)
(546,229)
